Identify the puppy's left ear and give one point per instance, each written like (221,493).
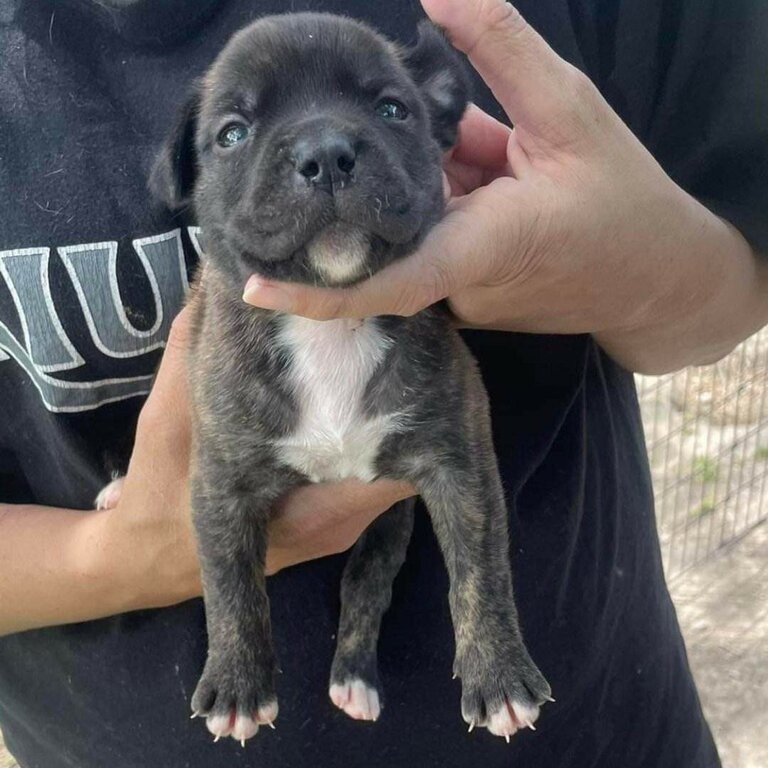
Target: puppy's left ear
(437,69)
(174,172)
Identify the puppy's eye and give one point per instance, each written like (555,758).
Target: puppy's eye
(232,134)
(391,109)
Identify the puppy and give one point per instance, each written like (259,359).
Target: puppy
(311,151)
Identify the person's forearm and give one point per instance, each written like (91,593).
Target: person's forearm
(718,297)
(46,577)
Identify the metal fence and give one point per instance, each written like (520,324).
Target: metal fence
(707,436)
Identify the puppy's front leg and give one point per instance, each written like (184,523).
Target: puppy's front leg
(502,688)
(236,692)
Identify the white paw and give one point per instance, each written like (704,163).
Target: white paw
(510,718)
(358,700)
(110,494)
(239,725)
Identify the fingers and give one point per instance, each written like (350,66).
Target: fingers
(319,520)
(343,499)
(461,178)
(482,140)
(526,76)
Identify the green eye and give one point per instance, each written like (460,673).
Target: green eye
(231,134)
(390,109)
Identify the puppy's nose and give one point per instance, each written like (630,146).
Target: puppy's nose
(326,160)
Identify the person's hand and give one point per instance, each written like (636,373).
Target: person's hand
(319,520)
(565,224)
(143,543)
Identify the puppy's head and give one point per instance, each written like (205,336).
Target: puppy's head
(311,149)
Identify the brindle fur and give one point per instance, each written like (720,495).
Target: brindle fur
(254,217)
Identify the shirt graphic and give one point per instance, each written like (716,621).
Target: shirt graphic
(32,329)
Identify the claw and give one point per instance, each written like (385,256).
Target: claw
(549,698)
(530,725)
(194,715)
(242,743)
(506,736)
(454,676)
(216,738)
(271,725)
(471,727)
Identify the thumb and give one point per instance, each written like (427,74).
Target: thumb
(173,367)
(528,79)
(167,407)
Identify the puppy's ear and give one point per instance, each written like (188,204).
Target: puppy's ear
(174,172)
(440,73)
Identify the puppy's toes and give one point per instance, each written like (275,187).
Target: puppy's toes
(244,728)
(239,725)
(232,700)
(221,724)
(511,717)
(109,495)
(358,699)
(247,725)
(504,696)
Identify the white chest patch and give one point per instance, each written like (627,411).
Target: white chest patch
(332,364)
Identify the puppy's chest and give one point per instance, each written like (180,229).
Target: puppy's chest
(331,366)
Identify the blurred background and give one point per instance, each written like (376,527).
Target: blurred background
(707,435)
(706,430)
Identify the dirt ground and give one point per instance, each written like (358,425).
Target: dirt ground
(722,605)
(707,437)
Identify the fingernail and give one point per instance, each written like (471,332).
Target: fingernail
(446,187)
(264,294)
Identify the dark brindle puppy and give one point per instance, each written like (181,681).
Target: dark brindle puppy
(311,151)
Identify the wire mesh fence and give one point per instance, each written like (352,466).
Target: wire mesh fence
(707,436)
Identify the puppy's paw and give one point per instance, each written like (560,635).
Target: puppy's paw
(355,697)
(354,686)
(109,495)
(511,717)
(232,701)
(501,692)
(240,725)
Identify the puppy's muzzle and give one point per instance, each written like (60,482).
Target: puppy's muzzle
(325,158)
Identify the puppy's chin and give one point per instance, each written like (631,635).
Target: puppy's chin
(339,253)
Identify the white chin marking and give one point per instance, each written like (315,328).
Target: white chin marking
(358,700)
(510,718)
(339,252)
(110,494)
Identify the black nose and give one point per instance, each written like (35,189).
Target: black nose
(327,160)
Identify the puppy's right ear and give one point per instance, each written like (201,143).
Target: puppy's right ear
(437,69)
(174,172)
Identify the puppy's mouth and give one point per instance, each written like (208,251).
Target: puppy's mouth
(332,240)
(339,253)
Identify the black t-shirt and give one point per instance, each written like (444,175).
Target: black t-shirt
(91,273)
